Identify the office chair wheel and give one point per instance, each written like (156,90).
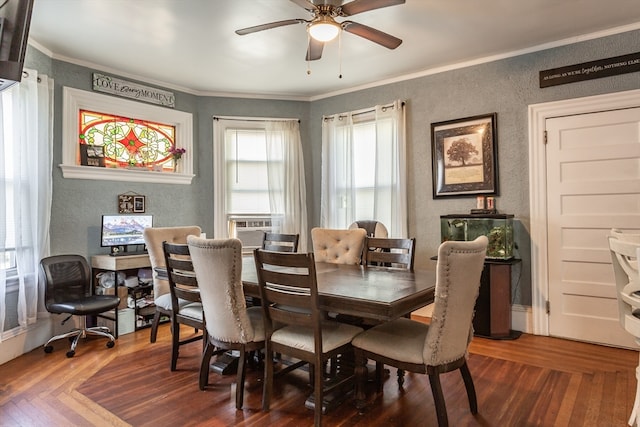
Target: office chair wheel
(110,344)
(48,349)
(71,353)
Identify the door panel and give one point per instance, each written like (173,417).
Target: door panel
(593,185)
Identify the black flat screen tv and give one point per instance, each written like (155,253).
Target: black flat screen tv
(121,231)
(15,18)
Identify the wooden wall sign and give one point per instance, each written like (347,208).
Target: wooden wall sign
(591,70)
(115,86)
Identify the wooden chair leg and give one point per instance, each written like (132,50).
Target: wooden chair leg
(379,376)
(175,345)
(400,377)
(240,378)
(204,365)
(154,327)
(438,398)
(471,390)
(268,378)
(318,392)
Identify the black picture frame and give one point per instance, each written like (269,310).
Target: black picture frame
(465,156)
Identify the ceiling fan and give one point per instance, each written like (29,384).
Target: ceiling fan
(323,27)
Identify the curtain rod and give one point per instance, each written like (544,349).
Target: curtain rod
(256,119)
(360,112)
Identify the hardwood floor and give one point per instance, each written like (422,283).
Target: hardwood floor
(531,381)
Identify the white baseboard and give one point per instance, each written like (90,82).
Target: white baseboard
(35,336)
(522,318)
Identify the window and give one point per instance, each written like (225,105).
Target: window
(26,128)
(363,168)
(133,139)
(122,142)
(259,179)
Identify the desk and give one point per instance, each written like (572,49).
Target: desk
(367,292)
(116,264)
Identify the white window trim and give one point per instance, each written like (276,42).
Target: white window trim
(75,100)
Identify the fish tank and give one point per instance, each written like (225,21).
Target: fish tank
(466,227)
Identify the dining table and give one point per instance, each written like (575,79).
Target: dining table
(368,292)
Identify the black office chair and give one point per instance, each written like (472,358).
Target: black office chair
(69,290)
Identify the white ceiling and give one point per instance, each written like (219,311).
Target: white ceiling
(190,45)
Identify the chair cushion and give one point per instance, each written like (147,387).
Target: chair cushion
(193,310)
(401,339)
(257,322)
(334,335)
(338,246)
(164,301)
(89,305)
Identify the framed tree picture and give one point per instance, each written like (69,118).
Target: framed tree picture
(464,153)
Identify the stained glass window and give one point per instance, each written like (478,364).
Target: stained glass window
(114,141)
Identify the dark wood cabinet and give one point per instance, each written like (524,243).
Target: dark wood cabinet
(493,306)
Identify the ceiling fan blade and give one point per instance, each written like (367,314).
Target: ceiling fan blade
(270,25)
(376,36)
(359,6)
(305,4)
(314,51)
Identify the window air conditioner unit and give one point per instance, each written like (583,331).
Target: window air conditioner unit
(250,229)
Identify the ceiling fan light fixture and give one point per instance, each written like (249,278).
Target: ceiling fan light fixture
(324,29)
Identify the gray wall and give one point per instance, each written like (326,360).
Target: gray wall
(507,87)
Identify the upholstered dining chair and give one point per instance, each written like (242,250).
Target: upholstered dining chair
(372,227)
(186,306)
(280,242)
(440,346)
(230,324)
(338,246)
(69,290)
(289,292)
(153,238)
(625,257)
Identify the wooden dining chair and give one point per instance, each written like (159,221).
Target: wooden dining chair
(153,238)
(389,252)
(440,346)
(230,324)
(183,287)
(280,242)
(289,292)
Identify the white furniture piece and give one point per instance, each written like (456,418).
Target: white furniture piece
(625,251)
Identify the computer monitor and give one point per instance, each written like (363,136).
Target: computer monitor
(121,231)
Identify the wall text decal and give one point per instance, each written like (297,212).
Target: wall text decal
(591,70)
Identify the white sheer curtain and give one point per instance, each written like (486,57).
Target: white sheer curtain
(287,190)
(364,168)
(26,135)
(285,168)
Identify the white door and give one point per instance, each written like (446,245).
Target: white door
(593,185)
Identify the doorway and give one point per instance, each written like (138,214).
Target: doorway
(583,181)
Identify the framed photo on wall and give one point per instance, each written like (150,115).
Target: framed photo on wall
(465,156)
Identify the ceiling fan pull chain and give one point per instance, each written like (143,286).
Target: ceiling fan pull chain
(340,54)
(308,54)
